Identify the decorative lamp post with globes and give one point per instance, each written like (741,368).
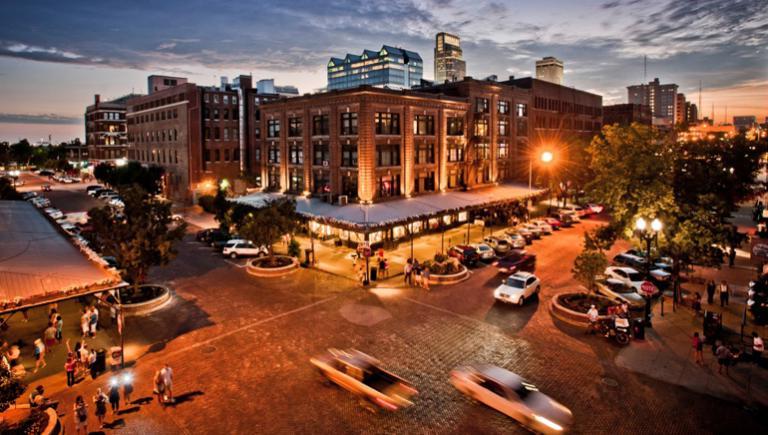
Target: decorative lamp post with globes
(648,234)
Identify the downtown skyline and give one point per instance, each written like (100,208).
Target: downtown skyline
(52,61)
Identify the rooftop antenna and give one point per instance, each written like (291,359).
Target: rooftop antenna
(699,108)
(645,67)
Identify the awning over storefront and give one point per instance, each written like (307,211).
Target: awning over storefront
(384,214)
(39,265)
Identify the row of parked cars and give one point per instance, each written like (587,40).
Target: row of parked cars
(624,281)
(68,223)
(105,194)
(230,245)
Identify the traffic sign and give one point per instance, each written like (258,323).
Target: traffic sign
(648,288)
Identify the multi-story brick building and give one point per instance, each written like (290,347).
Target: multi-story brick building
(626,114)
(105,128)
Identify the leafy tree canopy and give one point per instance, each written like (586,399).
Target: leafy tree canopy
(265,226)
(132,173)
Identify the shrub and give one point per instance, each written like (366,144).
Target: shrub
(206,202)
(294,249)
(440,258)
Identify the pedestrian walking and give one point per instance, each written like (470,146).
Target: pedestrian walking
(69,367)
(92,364)
(127,379)
(80,414)
(159,389)
(711,291)
(166,373)
(114,395)
(696,304)
(93,321)
(731,256)
(386,268)
(724,357)
(408,270)
(49,335)
(593,315)
(100,402)
(757,348)
(417,274)
(85,322)
(382,265)
(59,327)
(724,292)
(39,354)
(425,278)
(698,348)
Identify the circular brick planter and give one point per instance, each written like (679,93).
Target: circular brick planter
(570,316)
(271,272)
(54,425)
(149,306)
(435,279)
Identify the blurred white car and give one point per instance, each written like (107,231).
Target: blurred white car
(498,244)
(517,288)
(54,213)
(515,240)
(512,395)
(543,226)
(484,251)
(243,248)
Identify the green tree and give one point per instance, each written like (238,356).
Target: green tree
(11,387)
(21,152)
(139,236)
(221,209)
(266,225)
(7,191)
(129,175)
(5,154)
(587,266)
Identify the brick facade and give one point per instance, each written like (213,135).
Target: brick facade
(106,129)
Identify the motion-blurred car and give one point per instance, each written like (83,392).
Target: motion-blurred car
(465,254)
(516,261)
(517,288)
(90,190)
(363,376)
(513,396)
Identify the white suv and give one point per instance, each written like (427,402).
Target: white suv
(517,288)
(243,248)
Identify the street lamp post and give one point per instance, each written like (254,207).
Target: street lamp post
(648,235)
(367,248)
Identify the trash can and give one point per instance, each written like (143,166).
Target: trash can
(374,273)
(101,360)
(638,329)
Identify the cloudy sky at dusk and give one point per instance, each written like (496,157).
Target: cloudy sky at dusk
(55,55)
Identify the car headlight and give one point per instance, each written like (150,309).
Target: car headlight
(547,422)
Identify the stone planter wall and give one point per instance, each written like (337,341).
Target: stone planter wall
(272,272)
(568,315)
(143,308)
(54,425)
(435,279)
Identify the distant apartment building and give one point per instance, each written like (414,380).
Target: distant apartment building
(158,83)
(691,113)
(662,99)
(743,123)
(105,128)
(626,114)
(267,86)
(390,67)
(550,69)
(193,132)
(449,64)
(680,114)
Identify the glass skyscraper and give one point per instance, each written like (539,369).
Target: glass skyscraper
(390,67)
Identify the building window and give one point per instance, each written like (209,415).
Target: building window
(216,155)
(226,154)
(455,178)
(349,155)
(294,127)
(522,127)
(226,133)
(236,155)
(503,107)
(273,174)
(226,99)
(455,152)
(205,98)
(296,180)
(273,128)
(503,150)
(503,127)
(216,98)
(388,155)
(423,125)
(215,113)
(216,133)
(521,109)
(424,183)
(482,151)
(296,154)
(481,127)
(225,115)
(455,126)
(387,123)
(320,125)
(207,155)
(274,153)
(349,123)
(481,105)
(257,154)
(425,153)
(321,154)
(349,184)
(321,182)
(389,185)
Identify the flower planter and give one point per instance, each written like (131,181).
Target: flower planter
(255,267)
(561,310)
(436,279)
(144,307)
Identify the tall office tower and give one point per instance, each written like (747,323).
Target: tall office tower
(680,117)
(449,65)
(662,99)
(550,69)
(390,67)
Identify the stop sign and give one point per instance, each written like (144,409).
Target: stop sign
(648,288)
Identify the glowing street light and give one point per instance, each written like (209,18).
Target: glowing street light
(547,156)
(122,161)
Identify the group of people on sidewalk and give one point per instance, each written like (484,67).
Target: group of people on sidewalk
(416,274)
(723,291)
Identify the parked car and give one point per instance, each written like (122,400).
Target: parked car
(618,290)
(54,213)
(660,271)
(90,190)
(104,193)
(218,240)
(630,277)
(26,196)
(554,223)
(575,218)
(524,232)
(533,229)
(516,261)
(630,260)
(513,396)
(484,251)
(515,240)
(543,226)
(577,209)
(45,172)
(517,288)
(363,376)
(465,254)
(45,188)
(40,202)
(70,229)
(498,244)
(565,220)
(243,248)
(594,208)
(116,202)
(205,235)
(95,193)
